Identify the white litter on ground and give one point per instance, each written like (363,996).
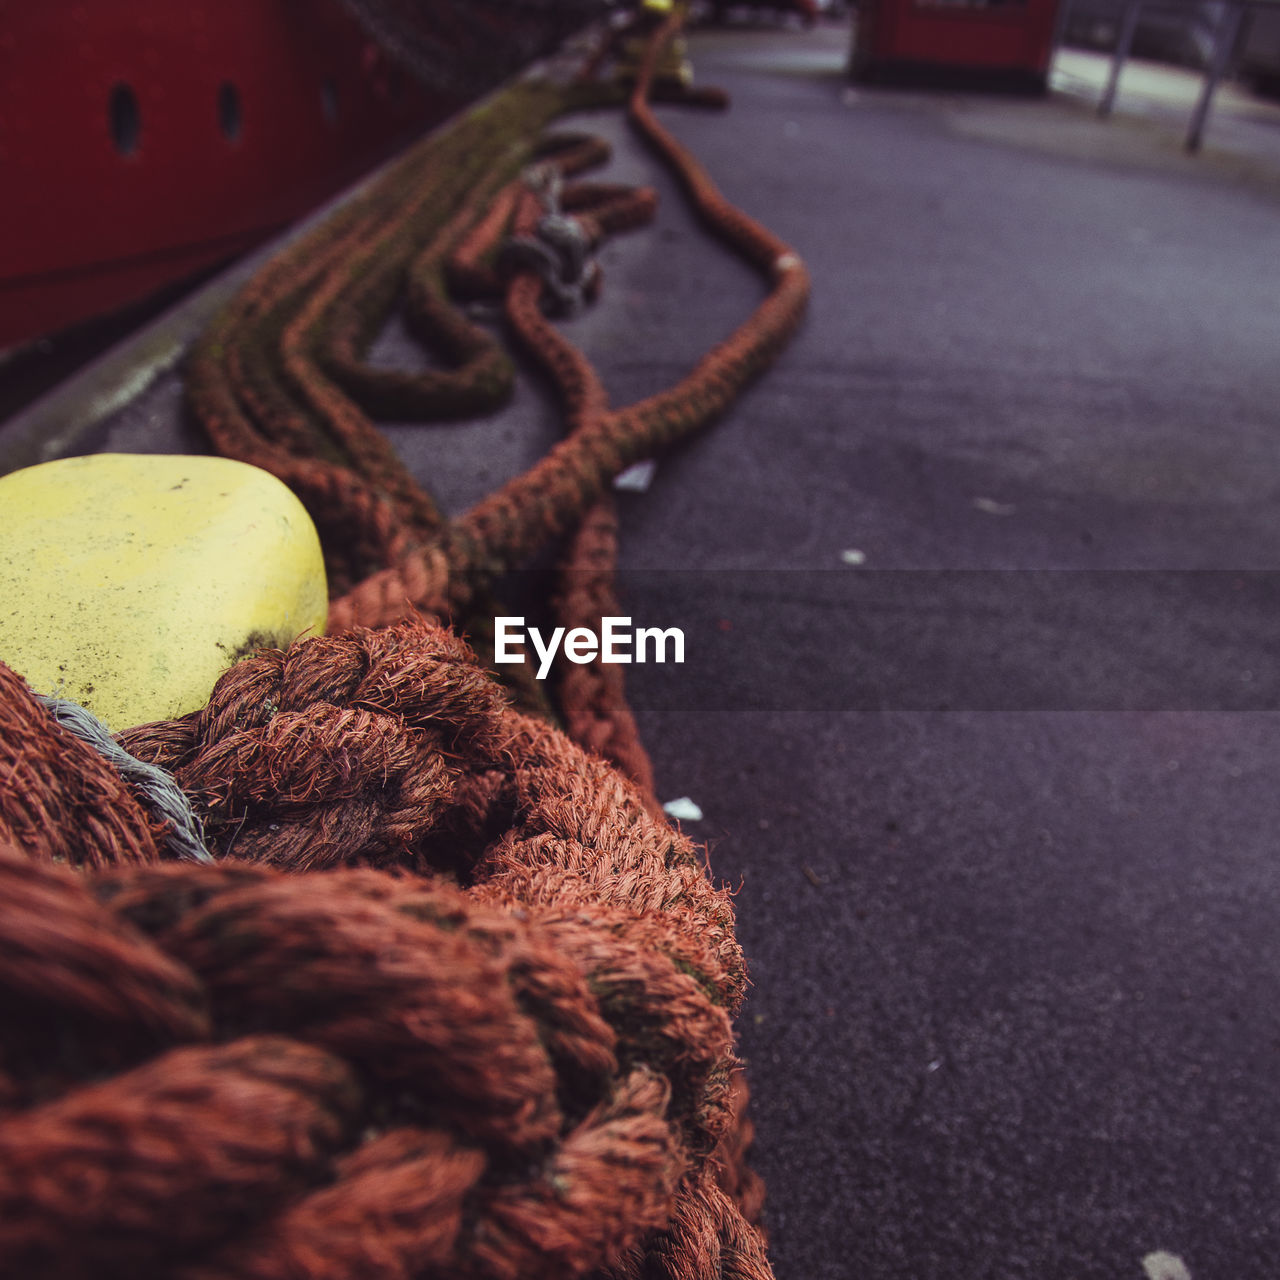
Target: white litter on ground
(1165,1266)
(994,508)
(684,809)
(853,556)
(636,478)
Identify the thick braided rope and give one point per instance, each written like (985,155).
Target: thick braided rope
(506,1053)
(318,306)
(509,525)
(268,381)
(283,380)
(593,695)
(274,380)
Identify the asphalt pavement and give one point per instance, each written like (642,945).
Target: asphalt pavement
(1007,865)
(980,590)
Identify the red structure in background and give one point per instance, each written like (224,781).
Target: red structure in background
(1008,38)
(143,141)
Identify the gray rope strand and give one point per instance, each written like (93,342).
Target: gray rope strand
(185,837)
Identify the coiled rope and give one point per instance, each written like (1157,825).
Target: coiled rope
(514,1062)
(453,999)
(277,379)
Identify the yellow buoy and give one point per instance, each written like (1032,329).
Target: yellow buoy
(130,582)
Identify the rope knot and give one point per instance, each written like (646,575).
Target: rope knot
(450,999)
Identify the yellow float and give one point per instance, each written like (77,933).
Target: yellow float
(130,582)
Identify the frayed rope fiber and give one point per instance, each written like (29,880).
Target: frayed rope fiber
(450,1003)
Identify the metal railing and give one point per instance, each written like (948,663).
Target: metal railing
(1225,37)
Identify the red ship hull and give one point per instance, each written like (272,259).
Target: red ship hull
(143,142)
